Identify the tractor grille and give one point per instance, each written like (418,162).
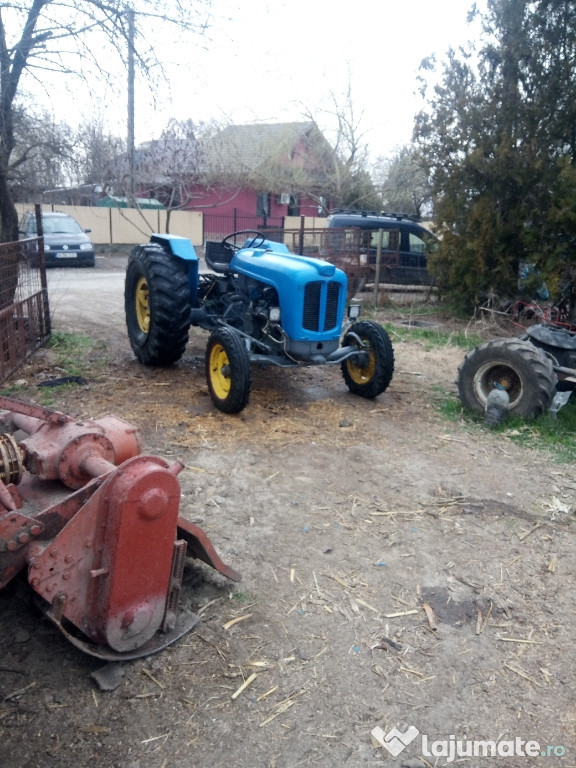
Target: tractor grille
(313,296)
(331,318)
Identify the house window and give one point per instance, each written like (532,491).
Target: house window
(294,206)
(263,204)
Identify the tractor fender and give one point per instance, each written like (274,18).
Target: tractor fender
(178,246)
(181,248)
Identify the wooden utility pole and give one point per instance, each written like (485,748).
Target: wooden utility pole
(131,186)
(378,263)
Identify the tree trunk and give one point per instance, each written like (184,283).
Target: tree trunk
(9,254)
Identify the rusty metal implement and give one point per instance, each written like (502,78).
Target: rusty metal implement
(97,525)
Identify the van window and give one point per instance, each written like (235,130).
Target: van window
(390,239)
(422,245)
(417,245)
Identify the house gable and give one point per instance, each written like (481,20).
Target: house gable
(274,167)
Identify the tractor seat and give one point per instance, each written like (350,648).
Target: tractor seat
(553,336)
(218,255)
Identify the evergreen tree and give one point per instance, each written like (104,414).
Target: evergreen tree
(498,138)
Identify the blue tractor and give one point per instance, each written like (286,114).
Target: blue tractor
(261,304)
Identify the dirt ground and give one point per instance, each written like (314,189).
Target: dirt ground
(398,570)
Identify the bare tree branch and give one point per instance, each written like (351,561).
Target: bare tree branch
(55,37)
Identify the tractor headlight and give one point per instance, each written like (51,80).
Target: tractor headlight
(274,314)
(353,311)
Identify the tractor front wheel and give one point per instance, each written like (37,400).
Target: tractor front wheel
(519,367)
(228,370)
(157,305)
(368,375)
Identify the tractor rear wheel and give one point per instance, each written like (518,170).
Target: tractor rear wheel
(522,369)
(371,379)
(228,370)
(157,305)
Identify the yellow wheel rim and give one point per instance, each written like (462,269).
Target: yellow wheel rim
(362,375)
(142,306)
(220,372)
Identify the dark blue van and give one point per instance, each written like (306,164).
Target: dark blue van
(406,244)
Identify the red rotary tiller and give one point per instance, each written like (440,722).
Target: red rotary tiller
(106,558)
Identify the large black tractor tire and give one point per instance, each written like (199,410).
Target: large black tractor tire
(228,370)
(157,305)
(521,368)
(372,379)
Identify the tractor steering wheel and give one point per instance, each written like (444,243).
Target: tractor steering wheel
(255,242)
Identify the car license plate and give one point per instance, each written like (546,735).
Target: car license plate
(67,255)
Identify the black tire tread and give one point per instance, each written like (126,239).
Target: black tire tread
(239,360)
(540,384)
(169,301)
(384,354)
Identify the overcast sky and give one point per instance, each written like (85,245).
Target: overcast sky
(270,60)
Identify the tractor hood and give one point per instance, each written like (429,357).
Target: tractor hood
(303,286)
(272,266)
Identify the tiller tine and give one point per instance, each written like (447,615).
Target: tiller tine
(200,546)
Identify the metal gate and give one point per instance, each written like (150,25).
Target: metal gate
(24,308)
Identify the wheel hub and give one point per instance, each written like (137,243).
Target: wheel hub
(142,305)
(361,366)
(220,368)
